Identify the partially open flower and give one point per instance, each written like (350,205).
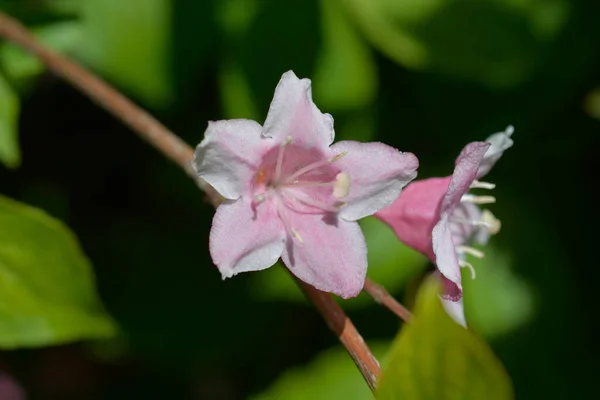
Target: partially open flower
(291,194)
(439,217)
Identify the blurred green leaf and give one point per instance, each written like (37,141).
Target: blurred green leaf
(390,262)
(39,12)
(236,16)
(129,41)
(68,7)
(399,44)
(435,358)
(47,293)
(20,65)
(497,302)
(236,95)
(331,375)
(345,76)
(592,103)
(275,283)
(495,43)
(10,155)
(359,125)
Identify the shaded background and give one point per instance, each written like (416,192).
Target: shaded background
(423,76)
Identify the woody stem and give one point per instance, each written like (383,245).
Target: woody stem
(382,296)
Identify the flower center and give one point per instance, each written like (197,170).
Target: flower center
(300,180)
(470,223)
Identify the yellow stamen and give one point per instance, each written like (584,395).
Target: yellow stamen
(341,187)
(297,236)
(493,224)
(338,156)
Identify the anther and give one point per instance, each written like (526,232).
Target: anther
(470,198)
(470,250)
(492,223)
(482,185)
(338,156)
(341,187)
(297,236)
(465,264)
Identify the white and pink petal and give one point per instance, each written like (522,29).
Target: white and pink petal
(230,154)
(377,172)
(446,258)
(456,310)
(293,114)
(244,238)
(499,143)
(465,172)
(414,214)
(328,253)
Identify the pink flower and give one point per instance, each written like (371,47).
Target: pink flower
(291,194)
(438,217)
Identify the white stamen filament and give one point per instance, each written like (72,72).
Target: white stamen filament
(482,185)
(315,203)
(313,166)
(472,222)
(305,184)
(287,141)
(470,250)
(283,218)
(470,198)
(465,264)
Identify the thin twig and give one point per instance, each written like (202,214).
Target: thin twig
(151,130)
(339,323)
(382,296)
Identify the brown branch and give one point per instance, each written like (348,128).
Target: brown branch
(151,130)
(341,325)
(380,295)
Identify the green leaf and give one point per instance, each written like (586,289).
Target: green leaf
(47,293)
(331,375)
(435,358)
(592,103)
(67,7)
(236,94)
(129,41)
(235,17)
(494,43)
(391,38)
(10,154)
(345,76)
